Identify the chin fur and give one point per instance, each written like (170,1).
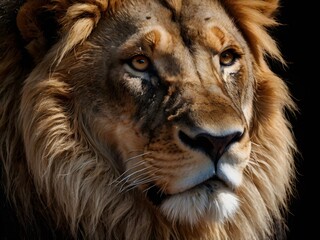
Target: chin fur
(215,203)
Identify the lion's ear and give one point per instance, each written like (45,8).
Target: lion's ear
(253,18)
(44,22)
(38,27)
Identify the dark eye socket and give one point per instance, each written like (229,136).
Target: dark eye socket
(228,57)
(140,63)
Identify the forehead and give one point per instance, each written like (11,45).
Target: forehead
(182,17)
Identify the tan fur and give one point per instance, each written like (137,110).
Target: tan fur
(85,137)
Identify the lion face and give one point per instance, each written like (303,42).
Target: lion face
(146,119)
(178,118)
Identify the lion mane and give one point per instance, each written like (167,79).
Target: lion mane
(134,119)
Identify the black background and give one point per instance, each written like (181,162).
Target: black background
(297,39)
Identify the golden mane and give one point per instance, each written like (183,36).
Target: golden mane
(55,170)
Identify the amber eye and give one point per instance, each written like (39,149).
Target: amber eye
(140,63)
(228,57)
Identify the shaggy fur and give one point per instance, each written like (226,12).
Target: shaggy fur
(68,141)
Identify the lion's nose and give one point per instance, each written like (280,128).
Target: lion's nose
(213,146)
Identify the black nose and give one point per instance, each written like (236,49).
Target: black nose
(213,146)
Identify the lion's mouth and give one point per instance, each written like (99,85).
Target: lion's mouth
(156,196)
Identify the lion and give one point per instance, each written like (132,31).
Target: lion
(145,119)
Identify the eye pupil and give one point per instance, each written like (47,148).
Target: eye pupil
(227,58)
(140,63)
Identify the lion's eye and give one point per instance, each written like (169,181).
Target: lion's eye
(228,57)
(140,63)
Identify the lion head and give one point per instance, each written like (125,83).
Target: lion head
(145,119)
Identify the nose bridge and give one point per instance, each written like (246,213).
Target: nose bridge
(202,83)
(211,108)
(201,87)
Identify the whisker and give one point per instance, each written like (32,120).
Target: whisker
(151,186)
(147,189)
(138,171)
(137,156)
(144,178)
(132,186)
(126,179)
(125,172)
(162,188)
(136,175)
